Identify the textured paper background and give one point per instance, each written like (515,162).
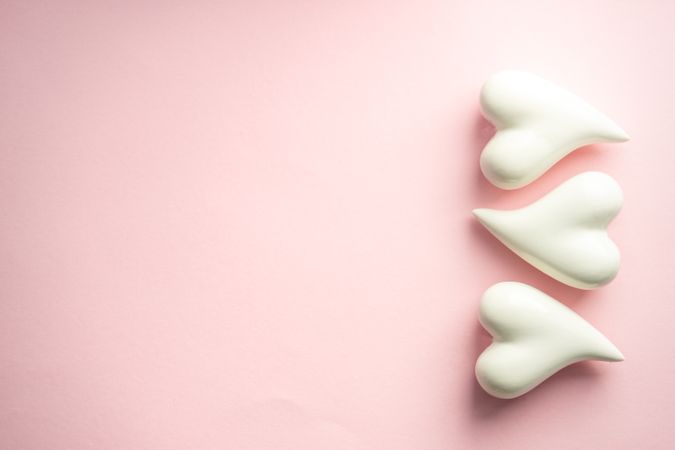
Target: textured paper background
(246,224)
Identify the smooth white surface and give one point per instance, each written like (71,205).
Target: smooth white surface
(534,336)
(564,233)
(538,123)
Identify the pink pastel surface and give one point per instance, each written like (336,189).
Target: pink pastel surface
(245,225)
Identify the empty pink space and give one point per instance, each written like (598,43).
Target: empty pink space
(245,225)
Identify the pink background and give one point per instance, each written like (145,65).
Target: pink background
(246,224)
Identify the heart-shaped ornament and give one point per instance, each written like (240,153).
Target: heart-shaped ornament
(538,123)
(564,233)
(534,336)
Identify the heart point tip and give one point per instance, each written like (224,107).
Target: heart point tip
(618,357)
(623,136)
(483,215)
(617,134)
(612,354)
(478,213)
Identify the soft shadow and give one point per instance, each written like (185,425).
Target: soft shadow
(482,130)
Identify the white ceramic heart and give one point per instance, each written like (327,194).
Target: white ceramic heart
(538,123)
(564,233)
(534,336)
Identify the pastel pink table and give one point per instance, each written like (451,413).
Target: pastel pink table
(245,225)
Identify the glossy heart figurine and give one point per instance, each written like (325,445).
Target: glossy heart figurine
(538,123)
(564,234)
(534,336)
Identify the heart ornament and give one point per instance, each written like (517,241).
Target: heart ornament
(538,123)
(534,336)
(564,233)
